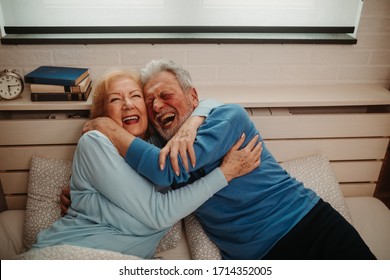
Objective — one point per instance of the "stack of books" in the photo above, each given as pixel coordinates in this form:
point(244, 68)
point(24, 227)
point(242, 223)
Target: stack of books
point(53, 83)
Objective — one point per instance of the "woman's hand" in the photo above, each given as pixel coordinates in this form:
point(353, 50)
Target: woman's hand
point(103, 124)
point(118, 136)
point(237, 162)
point(182, 143)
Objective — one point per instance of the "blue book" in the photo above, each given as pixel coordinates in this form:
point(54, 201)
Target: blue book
point(56, 75)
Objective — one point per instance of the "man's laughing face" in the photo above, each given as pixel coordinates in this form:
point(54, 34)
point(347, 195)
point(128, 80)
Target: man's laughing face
point(167, 104)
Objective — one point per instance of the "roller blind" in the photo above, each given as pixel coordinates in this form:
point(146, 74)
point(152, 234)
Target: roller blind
point(179, 21)
point(312, 13)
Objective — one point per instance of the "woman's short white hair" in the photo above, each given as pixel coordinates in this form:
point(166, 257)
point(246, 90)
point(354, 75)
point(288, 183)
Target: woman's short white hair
point(159, 65)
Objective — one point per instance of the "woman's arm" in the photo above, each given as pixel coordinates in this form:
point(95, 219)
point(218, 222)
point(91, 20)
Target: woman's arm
point(118, 136)
point(205, 106)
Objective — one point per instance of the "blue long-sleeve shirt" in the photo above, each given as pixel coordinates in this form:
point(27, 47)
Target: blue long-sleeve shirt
point(249, 216)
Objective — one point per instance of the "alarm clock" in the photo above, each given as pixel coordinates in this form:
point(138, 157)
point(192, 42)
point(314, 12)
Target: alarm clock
point(11, 85)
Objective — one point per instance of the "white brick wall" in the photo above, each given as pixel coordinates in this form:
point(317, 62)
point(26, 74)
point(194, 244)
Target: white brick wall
point(254, 64)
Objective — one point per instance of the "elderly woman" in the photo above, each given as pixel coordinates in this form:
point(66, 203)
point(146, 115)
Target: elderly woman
point(113, 207)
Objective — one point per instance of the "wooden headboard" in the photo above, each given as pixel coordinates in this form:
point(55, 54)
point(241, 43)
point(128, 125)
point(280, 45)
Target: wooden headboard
point(46, 129)
point(349, 124)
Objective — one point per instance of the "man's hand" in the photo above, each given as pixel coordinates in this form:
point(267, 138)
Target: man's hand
point(65, 200)
point(182, 143)
point(238, 162)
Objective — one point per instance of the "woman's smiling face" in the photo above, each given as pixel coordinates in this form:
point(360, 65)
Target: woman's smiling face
point(125, 105)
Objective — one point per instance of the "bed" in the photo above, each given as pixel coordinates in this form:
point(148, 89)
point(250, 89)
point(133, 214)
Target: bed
point(333, 138)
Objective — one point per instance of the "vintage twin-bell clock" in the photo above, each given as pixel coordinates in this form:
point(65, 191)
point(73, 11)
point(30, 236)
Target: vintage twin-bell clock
point(11, 85)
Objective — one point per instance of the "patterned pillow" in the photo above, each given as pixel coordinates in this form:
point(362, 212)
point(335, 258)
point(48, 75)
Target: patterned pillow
point(46, 178)
point(201, 247)
point(170, 239)
point(316, 173)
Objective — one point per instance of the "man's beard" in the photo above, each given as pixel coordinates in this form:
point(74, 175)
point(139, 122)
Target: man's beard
point(168, 133)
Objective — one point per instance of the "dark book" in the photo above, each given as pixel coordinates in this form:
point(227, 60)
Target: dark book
point(42, 88)
point(64, 96)
point(55, 75)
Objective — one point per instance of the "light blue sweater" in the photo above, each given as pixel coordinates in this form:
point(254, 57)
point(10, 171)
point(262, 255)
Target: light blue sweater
point(249, 216)
point(114, 208)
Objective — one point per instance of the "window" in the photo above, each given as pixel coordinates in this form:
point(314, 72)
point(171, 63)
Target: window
point(159, 21)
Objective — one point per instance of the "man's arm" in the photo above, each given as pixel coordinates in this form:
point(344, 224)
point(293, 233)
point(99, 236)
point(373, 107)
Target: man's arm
point(65, 200)
point(215, 137)
point(182, 143)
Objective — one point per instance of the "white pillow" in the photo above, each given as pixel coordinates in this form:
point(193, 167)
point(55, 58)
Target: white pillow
point(69, 252)
point(316, 173)
point(11, 233)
